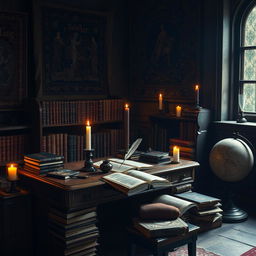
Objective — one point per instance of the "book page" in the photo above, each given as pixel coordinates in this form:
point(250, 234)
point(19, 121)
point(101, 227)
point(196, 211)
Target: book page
point(116, 166)
point(183, 205)
point(145, 176)
point(135, 164)
point(124, 180)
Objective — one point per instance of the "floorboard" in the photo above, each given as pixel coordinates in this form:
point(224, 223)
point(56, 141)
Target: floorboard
point(232, 239)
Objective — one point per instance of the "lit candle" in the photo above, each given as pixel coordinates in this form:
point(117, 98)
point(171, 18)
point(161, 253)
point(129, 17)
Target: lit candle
point(176, 154)
point(197, 94)
point(126, 126)
point(88, 137)
point(160, 101)
point(12, 173)
point(178, 111)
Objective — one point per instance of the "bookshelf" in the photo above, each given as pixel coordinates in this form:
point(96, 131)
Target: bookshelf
point(60, 127)
point(190, 129)
point(14, 135)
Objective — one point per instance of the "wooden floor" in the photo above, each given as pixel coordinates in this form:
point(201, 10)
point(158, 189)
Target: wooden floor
point(232, 239)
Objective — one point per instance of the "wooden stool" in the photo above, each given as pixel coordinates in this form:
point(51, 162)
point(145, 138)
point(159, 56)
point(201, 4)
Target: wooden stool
point(161, 246)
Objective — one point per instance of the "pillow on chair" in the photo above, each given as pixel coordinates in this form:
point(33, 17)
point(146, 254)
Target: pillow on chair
point(158, 211)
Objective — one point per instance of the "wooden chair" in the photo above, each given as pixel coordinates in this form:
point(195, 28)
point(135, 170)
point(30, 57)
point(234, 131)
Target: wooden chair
point(161, 246)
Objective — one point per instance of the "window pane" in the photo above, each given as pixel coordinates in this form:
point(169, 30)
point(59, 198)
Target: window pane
point(249, 65)
point(250, 29)
point(249, 98)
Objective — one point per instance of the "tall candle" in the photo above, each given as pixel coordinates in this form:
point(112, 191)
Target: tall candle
point(178, 111)
point(12, 173)
point(176, 154)
point(126, 126)
point(88, 138)
point(160, 99)
point(197, 94)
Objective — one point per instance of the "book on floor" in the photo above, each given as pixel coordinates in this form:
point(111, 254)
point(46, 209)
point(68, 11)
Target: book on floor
point(202, 201)
point(183, 205)
point(134, 181)
point(153, 229)
point(119, 165)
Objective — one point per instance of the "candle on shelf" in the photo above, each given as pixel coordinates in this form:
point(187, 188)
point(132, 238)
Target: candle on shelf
point(176, 154)
point(197, 94)
point(126, 126)
point(88, 137)
point(12, 172)
point(160, 101)
point(178, 111)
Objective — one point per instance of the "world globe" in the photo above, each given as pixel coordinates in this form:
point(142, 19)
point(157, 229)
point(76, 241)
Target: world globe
point(231, 159)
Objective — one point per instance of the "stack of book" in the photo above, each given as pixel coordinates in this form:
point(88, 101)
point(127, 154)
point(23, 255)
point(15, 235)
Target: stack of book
point(154, 157)
point(43, 162)
point(187, 148)
point(208, 213)
point(75, 232)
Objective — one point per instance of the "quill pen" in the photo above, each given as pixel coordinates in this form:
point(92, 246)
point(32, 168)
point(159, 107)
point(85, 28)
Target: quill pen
point(131, 150)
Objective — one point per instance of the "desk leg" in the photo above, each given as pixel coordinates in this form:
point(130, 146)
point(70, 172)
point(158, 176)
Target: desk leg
point(192, 247)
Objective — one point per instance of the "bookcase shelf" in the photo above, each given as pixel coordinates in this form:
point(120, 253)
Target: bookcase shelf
point(190, 129)
point(14, 136)
point(60, 127)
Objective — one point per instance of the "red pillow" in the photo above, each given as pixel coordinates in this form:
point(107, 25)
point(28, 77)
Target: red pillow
point(158, 211)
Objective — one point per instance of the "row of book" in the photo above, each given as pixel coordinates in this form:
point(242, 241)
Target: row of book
point(13, 147)
point(75, 233)
point(201, 210)
point(159, 139)
point(78, 111)
point(187, 148)
point(72, 146)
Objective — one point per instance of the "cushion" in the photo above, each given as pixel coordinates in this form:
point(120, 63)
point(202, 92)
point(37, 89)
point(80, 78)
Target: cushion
point(158, 211)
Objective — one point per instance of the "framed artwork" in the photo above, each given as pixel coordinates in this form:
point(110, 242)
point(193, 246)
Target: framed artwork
point(166, 48)
point(13, 58)
point(73, 52)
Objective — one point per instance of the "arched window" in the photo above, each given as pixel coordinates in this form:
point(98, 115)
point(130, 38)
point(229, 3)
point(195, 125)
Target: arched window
point(244, 71)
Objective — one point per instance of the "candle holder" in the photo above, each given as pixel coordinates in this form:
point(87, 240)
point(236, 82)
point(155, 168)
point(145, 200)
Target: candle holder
point(13, 187)
point(88, 164)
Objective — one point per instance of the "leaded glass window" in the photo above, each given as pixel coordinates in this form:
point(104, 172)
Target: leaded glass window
point(248, 63)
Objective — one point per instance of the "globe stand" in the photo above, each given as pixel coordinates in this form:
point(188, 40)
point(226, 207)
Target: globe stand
point(232, 213)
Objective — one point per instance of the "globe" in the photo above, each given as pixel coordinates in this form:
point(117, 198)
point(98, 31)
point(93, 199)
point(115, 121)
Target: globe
point(231, 159)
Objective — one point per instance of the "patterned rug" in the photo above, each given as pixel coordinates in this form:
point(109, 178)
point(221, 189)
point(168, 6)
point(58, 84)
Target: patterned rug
point(183, 251)
point(251, 252)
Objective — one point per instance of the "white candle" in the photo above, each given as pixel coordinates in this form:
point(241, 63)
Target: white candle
point(197, 94)
point(88, 145)
point(12, 173)
point(160, 101)
point(176, 154)
point(126, 126)
point(178, 111)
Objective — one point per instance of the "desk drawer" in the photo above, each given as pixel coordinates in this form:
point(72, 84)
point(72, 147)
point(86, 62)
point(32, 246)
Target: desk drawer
point(180, 176)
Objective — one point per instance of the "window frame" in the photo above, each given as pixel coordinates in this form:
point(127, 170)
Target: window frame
point(238, 28)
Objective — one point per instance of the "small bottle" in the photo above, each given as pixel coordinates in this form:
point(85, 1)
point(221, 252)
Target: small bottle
point(106, 166)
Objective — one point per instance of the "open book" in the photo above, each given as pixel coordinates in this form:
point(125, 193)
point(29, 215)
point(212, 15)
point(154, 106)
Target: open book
point(134, 181)
point(181, 204)
point(119, 165)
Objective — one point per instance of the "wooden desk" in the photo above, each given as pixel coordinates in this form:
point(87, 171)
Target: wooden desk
point(77, 194)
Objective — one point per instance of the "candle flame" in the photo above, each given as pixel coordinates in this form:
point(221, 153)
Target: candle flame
point(11, 165)
point(126, 106)
point(196, 87)
point(88, 123)
point(160, 95)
